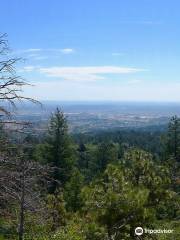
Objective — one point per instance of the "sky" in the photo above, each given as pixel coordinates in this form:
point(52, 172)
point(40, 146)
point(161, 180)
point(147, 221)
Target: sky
point(117, 50)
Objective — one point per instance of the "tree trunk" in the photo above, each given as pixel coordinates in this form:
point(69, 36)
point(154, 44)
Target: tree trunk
point(21, 213)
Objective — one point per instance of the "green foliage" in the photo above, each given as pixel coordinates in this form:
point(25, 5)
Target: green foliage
point(140, 168)
point(173, 138)
point(172, 225)
point(109, 191)
point(93, 159)
point(173, 151)
point(106, 153)
point(56, 212)
point(72, 191)
point(70, 232)
point(117, 204)
point(135, 193)
point(81, 229)
point(60, 151)
point(57, 151)
point(42, 153)
point(87, 161)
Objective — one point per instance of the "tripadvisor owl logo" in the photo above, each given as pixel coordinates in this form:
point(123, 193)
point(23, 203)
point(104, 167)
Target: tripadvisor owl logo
point(139, 231)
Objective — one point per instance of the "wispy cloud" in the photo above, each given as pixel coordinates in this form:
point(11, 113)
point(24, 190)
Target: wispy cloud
point(28, 69)
point(27, 51)
point(33, 50)
point(42, 50)
point(38, 54)
point(67, 50)
point(89, 73)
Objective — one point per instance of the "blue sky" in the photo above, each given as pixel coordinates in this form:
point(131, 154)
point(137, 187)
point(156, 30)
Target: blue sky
point(96, 49)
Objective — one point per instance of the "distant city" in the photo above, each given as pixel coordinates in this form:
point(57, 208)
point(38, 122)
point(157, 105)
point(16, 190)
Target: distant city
point(93, 116)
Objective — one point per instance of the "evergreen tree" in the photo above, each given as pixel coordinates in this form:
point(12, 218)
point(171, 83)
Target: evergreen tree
point(72, 191)
point(173, 138)
point(107, 152)
point(173, 151)
point(87, 161)
point(82, 157)
point(59, 152)
point(134, 193)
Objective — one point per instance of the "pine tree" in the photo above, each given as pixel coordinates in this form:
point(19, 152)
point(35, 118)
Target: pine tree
point(107, 153)
point(59, 150)
point(173, 143)
point(173, 150)
point(72, 191)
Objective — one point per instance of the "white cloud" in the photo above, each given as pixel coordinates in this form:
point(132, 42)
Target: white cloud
point(42, 53)
point(67, 50)
point(90, 73)
point(33, 50)
point(28, 69)
point(28, 51)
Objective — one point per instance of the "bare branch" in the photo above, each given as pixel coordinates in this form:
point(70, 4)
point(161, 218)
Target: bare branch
point(11, 84)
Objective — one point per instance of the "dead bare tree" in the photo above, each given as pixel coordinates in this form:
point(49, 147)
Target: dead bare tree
point(21, 185)
point(19, 175)
point(11, 84)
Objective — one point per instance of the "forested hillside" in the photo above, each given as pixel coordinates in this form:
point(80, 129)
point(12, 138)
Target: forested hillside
point(92, 187)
